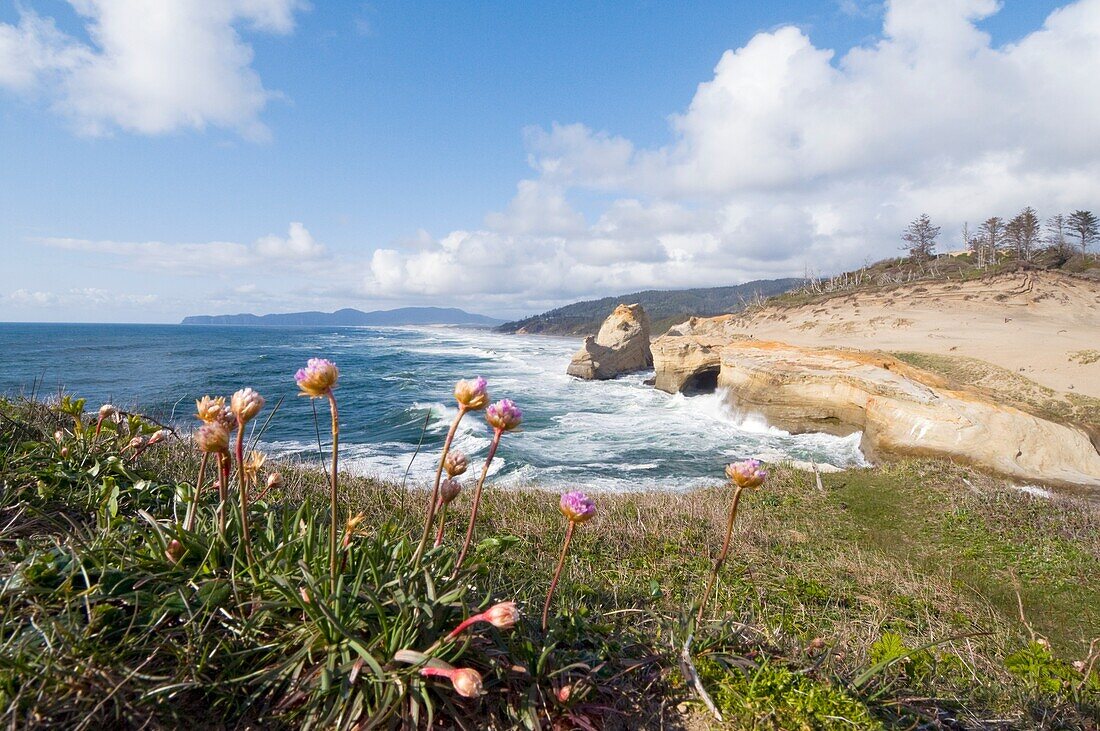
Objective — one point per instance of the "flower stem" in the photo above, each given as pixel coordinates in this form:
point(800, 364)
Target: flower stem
point(477, 498)
point(223, 491)
point(333, 489)
point(243, 496)
point(721, 555)
point(192, 509)
point(557, 574)
point(442, 523)
point(473, 619)
point(430, 517)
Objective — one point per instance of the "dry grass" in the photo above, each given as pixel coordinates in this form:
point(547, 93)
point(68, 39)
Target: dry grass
point(1004, 385)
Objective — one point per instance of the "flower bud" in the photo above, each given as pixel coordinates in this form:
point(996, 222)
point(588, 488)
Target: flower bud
point(472, 394)
point(746, 473)
point(213, 438)
point(245, 404)
point(209, 409)
point(226, 418)
point(65, 452)
point(317, 378)
point(59, 436)
point(175, 551)
point(448, 490)
point(504, 415)
point(274, 481)
point(106, 411)
point(136, 443)
point(455, 463)
point(577, 507)
point(467, 682)
point(158, 436)
point(502, 616)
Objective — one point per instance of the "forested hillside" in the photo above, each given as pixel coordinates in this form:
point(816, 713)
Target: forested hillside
point(664, 307)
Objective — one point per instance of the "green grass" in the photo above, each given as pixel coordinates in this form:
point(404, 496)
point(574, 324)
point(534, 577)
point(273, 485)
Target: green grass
point(886, 600)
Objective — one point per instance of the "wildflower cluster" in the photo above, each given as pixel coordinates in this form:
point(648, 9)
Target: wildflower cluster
point(332, 609)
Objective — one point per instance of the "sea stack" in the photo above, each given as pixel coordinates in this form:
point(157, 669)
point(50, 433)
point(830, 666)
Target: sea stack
point(621, 346)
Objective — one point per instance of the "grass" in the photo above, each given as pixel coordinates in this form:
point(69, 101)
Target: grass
point(1004, 385)
point(917, 594)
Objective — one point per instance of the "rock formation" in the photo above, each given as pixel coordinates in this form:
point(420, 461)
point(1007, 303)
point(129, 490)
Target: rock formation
point(621, 346)
point(901, 410)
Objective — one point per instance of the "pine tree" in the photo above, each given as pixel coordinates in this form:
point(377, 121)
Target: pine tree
point(1085, 227)
point(1056, 233)
point(920, 238)
point(1023, 233)
point(992, 236)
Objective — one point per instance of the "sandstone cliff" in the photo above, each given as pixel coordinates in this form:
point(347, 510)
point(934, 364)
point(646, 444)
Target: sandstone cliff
point(621, 346)
point(901, 410)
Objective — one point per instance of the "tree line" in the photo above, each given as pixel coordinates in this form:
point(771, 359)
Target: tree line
point(1022, 235)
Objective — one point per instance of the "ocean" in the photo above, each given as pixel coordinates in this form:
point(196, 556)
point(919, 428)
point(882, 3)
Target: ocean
point(609, 435)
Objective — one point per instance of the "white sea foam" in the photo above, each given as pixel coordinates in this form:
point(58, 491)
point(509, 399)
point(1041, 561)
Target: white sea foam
point(607, 435)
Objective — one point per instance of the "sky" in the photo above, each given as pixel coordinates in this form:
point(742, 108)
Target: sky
point(219, 156)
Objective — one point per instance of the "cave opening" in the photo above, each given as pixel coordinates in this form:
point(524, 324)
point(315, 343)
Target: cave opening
point(700, 382)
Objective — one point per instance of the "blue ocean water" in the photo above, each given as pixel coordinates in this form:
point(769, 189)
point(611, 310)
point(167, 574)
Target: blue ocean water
point(619, 435)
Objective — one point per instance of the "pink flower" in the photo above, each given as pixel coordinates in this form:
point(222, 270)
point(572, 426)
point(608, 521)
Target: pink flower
point(213, 437)
point(577, 507)
point(504, 415)
point(317, 378)
point(746, 474)
point(472, 394)
point(245, 404)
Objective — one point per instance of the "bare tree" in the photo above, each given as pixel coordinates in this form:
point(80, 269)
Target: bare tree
point(920, 238)
point(992, 237)
point(1085, 227)
point(1022, 232)
point(1057, 228)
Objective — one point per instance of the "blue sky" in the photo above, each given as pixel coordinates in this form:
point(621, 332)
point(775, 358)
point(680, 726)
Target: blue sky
point(507, 157)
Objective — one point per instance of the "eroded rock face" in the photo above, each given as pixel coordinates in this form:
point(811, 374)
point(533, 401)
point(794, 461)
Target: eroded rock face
point(901, 410)
point(621, 346)
point(688, 352)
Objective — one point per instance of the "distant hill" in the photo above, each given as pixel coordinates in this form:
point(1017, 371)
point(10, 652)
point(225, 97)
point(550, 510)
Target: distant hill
point(664, 307)
point(400, 316)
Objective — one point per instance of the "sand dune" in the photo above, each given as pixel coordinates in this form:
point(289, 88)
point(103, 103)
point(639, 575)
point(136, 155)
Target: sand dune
point(1044, 326)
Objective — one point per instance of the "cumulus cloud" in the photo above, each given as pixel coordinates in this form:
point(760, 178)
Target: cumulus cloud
point(794, 156)
point(298, 249)
point(150, 68)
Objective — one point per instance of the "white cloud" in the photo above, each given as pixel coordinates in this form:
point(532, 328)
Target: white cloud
point(794, 155)
point(79, 297)
point(298, 249)
point(537, 207)
point(151, 67)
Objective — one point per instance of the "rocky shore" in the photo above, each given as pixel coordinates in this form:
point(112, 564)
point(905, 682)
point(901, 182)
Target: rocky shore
point(901, 410)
